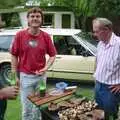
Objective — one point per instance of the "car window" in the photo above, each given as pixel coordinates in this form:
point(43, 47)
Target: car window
point(67, 45)
point(61, 44)
point(5, 42)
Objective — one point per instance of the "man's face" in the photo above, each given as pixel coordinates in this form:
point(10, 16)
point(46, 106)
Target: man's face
point(99, 31)
point(34, 20)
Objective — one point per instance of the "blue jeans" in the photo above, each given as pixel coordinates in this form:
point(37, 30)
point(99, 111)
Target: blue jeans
point(29, 84)
point(105, 99)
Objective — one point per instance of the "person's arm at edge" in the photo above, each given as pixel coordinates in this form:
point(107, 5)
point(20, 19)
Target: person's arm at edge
point(9, 92)
point(2, 96)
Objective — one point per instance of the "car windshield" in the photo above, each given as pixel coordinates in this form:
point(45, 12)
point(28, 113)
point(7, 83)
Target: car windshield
point(5, 41)
point(87, 39)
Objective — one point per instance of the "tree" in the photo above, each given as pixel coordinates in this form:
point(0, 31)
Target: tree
point(9, 4)
point(4, 4)
point(109, 9)
point(106, 8)
point(81, 8)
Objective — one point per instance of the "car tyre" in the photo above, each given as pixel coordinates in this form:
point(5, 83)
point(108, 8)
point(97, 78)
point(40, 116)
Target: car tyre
point(5, 74)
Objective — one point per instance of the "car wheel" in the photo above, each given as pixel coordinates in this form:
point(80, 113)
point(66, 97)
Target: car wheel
point(5, 74)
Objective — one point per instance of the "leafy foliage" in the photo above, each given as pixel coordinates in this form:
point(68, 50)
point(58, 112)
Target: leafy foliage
point(107, 8)
point(11, 3)
point(85, 8)
point(81, 8)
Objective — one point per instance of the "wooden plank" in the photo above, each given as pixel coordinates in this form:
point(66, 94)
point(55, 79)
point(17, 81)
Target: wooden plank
point(56, 101)
point(37, 100)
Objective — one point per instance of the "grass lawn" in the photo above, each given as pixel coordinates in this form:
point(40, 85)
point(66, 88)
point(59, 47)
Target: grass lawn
point(14, 108)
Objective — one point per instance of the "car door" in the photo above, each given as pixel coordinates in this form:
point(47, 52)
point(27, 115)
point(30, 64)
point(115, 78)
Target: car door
point(73, 61)
point(50, 70)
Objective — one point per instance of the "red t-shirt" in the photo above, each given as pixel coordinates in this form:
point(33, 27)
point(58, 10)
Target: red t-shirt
point(31, 50)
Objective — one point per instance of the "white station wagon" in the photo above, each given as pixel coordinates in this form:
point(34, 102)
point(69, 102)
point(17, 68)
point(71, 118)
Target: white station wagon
point(75, 59)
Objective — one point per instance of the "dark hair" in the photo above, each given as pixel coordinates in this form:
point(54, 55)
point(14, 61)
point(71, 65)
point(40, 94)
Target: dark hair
point(35, 10)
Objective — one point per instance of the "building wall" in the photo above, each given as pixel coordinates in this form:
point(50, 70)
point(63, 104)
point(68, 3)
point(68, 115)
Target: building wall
point(57, 18)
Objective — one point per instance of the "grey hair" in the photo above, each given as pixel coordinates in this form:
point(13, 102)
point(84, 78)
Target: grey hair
point(104, 22)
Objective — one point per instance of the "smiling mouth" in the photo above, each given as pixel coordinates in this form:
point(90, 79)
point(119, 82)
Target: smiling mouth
point(36, 22)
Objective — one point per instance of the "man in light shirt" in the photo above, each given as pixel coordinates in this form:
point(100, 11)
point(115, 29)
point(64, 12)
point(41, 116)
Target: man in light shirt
point(107, 73)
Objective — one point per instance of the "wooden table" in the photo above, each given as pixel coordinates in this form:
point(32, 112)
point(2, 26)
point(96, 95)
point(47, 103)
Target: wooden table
point(42, 103)
point(39, 101)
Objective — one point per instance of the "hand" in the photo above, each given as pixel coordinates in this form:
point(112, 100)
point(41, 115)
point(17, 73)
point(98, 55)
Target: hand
point(41, 72)
point(115, 88)
point(18, 82)
point(9, 92)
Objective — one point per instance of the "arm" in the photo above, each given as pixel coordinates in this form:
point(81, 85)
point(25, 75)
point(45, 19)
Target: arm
point(50, 62)
point(14, 64)
point(51, 51)
point(47, 66)
point(9, 92)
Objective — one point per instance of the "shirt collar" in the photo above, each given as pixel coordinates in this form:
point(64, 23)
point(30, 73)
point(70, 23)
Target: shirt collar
point(112, 39)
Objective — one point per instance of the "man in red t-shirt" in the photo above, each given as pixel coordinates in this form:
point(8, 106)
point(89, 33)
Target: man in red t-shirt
point(28, 51)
